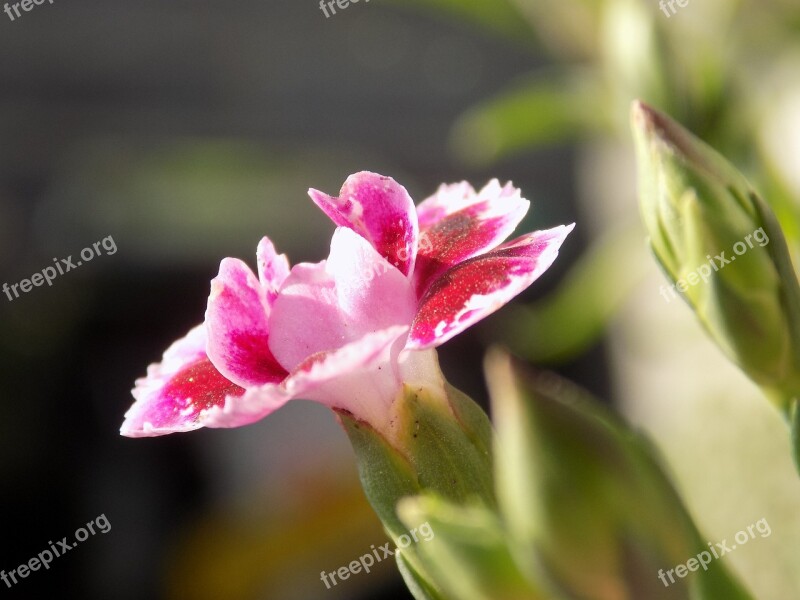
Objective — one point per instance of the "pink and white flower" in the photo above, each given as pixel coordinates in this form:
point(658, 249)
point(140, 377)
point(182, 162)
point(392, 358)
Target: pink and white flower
point(351, 331)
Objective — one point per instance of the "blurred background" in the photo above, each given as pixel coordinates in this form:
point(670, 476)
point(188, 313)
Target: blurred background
point(188, 130)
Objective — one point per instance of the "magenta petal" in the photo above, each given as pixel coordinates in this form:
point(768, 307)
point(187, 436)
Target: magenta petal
point(380, 210)
point(237, 326)
point(479, 286)
point(460, 224)
point(273, 268)
point(324, 306)
point(176, 392)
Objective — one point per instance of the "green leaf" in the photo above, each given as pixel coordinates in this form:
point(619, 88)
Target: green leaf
point(538, 111)
point(794, 421)
point(419, 588)
point(584, 495)
point(468, 554)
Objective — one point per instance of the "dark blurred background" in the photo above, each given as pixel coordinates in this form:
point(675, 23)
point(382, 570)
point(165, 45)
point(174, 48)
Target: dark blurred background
point(186, 131)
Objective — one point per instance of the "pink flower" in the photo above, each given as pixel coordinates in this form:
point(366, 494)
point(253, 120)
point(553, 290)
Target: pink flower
point(353, 330)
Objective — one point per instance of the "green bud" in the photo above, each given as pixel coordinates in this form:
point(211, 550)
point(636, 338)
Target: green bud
point(585, 496)
point(722, 248)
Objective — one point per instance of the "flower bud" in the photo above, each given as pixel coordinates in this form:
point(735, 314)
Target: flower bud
point(723, 250)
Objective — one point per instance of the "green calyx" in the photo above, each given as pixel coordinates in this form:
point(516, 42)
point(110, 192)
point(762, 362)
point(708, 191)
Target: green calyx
point(441, 444)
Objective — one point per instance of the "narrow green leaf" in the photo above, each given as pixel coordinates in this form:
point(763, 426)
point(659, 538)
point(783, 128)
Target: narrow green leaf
point(468, 554)
point(537, 111)
point(794, 420)
point(417, 585)
point(587, 497)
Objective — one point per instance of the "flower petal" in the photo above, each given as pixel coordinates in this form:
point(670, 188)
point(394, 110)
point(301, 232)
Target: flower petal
point(324, 306)
point(454, 197)
point(254, 405)
point(460, 224)
point(237, 324)
point(380, 210)
point(273, 268)
point(175, 392)
point(357, 377)
point(479, 286)
point(449, 198)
